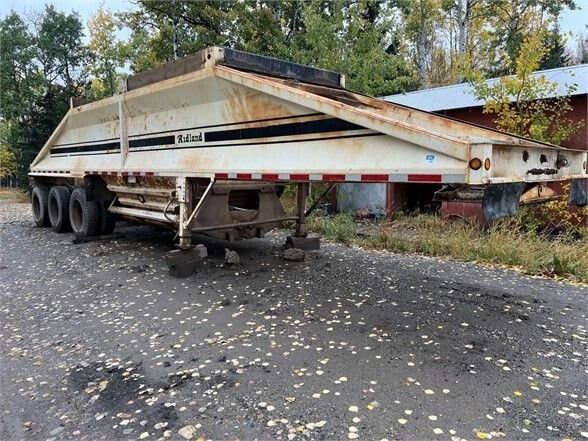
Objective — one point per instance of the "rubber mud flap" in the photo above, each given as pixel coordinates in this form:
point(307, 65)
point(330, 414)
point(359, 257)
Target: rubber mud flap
point(579, 192)
point(107, 219)
point(502, 200)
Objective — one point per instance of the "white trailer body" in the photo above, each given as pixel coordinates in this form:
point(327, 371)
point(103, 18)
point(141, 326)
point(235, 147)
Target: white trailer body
point(180, 137)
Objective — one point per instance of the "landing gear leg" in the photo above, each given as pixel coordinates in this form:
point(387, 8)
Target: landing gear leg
point(184, 261)
point(184, 195)
point(301, 239)
point(301, 196)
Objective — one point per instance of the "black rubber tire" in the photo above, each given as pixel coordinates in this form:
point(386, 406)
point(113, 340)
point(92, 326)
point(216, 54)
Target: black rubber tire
point(40, 205)
point(58, 207)
point(107, 219)
point(84, 215)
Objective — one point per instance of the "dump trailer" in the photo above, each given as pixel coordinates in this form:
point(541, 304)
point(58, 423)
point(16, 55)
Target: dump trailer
point(204, 145)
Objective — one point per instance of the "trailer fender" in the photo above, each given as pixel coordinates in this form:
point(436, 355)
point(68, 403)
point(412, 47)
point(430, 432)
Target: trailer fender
point(502, 200)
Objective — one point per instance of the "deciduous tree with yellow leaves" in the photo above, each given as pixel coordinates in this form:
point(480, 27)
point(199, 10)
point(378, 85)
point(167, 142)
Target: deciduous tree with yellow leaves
point(528, 104)
point(108, 54)
point(7, 162)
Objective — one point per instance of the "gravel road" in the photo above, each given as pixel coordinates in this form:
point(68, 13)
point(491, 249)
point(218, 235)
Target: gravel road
point(99, 343)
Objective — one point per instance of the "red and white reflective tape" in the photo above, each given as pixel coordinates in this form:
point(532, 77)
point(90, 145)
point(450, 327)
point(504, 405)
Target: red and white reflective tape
point(121, 173)
point(422, 178)
point(296, 177)
point(50, 172)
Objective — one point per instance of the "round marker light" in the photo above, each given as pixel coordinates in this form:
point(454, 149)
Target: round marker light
point(475, 164)
point(487, 163)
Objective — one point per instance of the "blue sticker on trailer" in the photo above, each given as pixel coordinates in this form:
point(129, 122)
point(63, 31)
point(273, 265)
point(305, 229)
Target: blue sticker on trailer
point(430, 158)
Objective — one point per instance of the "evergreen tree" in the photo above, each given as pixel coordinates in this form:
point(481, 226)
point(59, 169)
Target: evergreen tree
point(556, 54)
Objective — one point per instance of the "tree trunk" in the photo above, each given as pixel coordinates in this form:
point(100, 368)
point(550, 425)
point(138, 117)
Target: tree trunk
point(422, 48)
point(175, 38)
point(463, 21)
point(463, 12)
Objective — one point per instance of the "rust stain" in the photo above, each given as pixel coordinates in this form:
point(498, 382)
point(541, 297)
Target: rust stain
point(193, 160)
point(78, 164)
point(112, 131)
point(248, 106)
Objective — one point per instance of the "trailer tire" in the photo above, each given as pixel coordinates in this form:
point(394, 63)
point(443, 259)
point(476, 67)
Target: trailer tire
point(40, 205)
point(58, 208)
point(107, 219)
point(84, 215)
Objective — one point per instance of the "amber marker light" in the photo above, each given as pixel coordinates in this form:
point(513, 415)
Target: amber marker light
point(475, 164)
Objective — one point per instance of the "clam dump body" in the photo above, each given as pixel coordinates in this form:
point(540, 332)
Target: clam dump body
point(205, 143)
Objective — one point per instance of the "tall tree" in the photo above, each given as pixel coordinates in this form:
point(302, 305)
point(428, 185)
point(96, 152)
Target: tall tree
point(581, 53)
point(511, 20)
point(108, 55)
point(60, 50)
point(22, 84)
point(183, 27)
point(141, 49)
point(19, 77)
point(351, 36)
point(39, 73)
point(556, 54)
point(465, 27)
point(420, 19)
point(354, 38)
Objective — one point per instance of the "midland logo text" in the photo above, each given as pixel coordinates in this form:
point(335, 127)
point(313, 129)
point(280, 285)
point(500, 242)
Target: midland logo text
point(189, 137)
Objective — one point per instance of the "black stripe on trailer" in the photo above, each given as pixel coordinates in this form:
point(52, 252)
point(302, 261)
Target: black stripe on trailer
point(289, 129)
point(274, 131)
point(282, 141)
point(111, 147)
point(148, 142)
point(236, 123)
point(86, 148)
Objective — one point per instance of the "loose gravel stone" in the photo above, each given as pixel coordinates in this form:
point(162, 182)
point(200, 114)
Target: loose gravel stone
point(294, 255)
point(97, 342)
point(231, 257)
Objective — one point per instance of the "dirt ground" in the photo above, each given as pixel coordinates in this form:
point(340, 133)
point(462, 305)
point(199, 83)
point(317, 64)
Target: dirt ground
point(99, 343)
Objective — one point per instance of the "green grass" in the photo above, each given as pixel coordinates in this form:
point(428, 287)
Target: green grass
point(13, 195)
point(505, 243)
point(340, 228)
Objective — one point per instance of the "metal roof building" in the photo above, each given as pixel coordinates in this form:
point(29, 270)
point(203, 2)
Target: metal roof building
point(461, 96)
